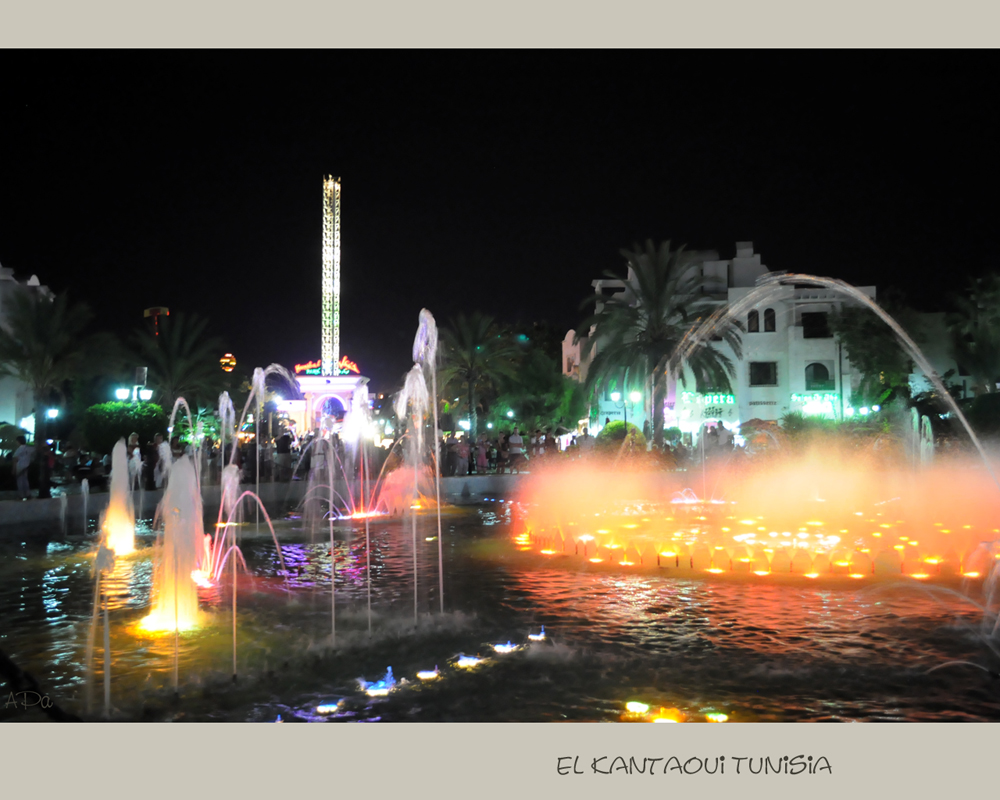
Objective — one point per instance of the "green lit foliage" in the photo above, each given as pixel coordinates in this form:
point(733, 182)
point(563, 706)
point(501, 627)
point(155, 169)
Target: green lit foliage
point(612, 436)
point(874, 350)
point(104, 424)
point(541, 397)
point(636, 333)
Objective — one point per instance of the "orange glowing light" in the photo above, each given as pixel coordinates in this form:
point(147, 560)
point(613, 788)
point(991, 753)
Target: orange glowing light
point(932, 560)
point(669, 555)
point(199, 577)
point(970, 574)
point(547, 552)
point(668, 715)
point(812, 575)
point(760, 572)
point(920, 575)
point(596, 560)
point(624, 563)
point(857, 575)
point(714, 570)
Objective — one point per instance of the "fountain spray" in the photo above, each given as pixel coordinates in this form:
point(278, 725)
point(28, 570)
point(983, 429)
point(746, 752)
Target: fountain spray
point(425, 353)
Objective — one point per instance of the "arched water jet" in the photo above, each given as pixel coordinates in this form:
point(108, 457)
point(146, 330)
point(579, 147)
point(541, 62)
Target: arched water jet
point(767, 285)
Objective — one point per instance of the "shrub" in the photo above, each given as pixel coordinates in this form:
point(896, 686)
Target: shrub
point(613, 434)
point(106, 423)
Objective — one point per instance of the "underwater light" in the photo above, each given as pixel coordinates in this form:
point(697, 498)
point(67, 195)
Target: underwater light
point(429, 674)
point(668, 715)
point(760, 572)
point(970, 574)
point(634, 707)
point(199, 577)
point(377, 691)
point(857, 575)
point(596, 560)
point(505, 648)
point(717, 717)
point(714, 570)
point(547, 552)
point(537, 637)
point(812, 575)
point(328, 708)
point(468, 661)
point(920, 575)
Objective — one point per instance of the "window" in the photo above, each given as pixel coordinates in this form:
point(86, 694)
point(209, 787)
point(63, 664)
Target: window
point(753, 322)
point(818, 378)
point(763, 373)
point(769, 320)
point(814, 325)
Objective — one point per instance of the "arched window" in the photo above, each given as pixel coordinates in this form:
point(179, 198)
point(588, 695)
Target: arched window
point(753, 322)
point(769, 320)
point(818, 378)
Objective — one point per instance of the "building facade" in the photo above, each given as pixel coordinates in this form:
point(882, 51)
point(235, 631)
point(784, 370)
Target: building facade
point(790, 359)
point(16, 400)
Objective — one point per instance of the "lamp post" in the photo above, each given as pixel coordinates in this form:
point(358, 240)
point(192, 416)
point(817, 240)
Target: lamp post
point(634, 397)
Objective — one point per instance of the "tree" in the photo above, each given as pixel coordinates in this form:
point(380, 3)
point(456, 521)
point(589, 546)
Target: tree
point(105, 423)
point(45, 344)
point(635, 333)
point(183, 361)
point(975, 332)
point(475, 357)
point(539, 393)
point(874, 350)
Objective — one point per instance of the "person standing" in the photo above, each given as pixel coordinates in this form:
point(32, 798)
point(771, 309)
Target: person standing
point(22, 460)
point(515, 446)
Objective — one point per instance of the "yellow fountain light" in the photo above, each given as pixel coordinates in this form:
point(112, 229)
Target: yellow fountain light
point(717, 717)
point(596, 560)
point(668, 715)
point(760, 572)
point(547, 552)
point(815, 523)
point(932, 560)
point(586, 538)
point(199, 577)
point(913, 544)
point(857, 575)
point(602, 530)
point(163, 623)
point(970, 574)
point(714, 570)
point(811, 575)
point(429, 674)
point(898, 547)
point(635, 707)
point(748, 522)
point(920, 575)
point(668, 554)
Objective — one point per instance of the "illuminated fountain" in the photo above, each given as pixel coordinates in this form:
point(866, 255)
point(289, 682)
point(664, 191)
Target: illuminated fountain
point(818, 512)
point(175, 603)
point(118, 520)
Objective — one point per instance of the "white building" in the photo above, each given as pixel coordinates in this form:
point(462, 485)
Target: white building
point(16, 401)
point(790, 360)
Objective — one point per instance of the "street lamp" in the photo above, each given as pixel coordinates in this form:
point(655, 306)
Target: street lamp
point(52, 413)
point(616, 397)
point(146, 394)
point(122, 394)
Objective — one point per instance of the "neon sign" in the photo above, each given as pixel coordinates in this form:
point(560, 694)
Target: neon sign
point(344, 367)
point(708, 399)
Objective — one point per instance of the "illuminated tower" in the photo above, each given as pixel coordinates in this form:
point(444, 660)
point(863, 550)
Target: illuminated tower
point(330, 353)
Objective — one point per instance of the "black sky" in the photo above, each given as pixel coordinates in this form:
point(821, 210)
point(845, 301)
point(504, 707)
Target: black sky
point(500, 181)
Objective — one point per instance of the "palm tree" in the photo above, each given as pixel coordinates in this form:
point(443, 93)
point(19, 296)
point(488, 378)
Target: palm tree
point(975, 332)
point(475, 356)
point(182, 360)
point(634, 333)
point(44, 344)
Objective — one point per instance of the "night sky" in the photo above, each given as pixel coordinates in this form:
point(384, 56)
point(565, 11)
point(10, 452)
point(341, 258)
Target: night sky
point(501, 181)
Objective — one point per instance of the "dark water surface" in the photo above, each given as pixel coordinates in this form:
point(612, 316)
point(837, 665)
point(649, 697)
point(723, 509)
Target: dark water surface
point(742, 648)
